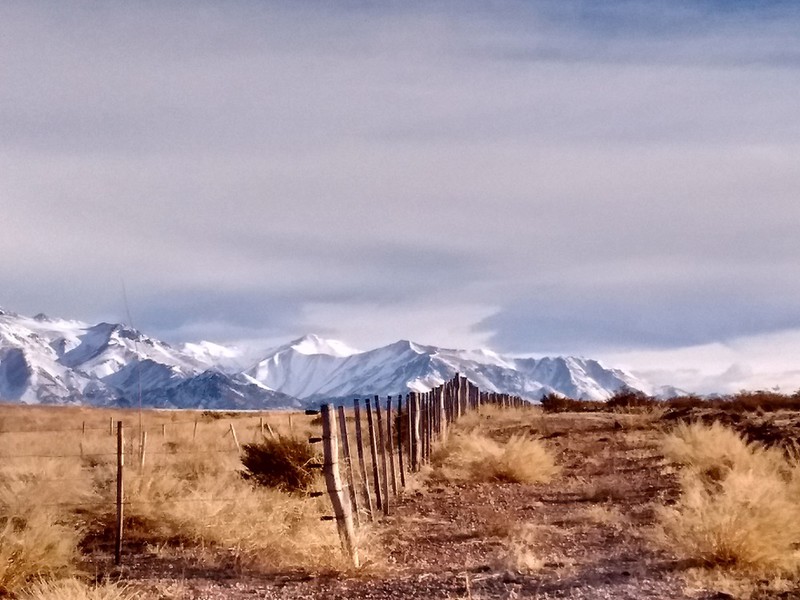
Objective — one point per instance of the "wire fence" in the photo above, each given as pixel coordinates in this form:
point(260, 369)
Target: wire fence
point(392, 439)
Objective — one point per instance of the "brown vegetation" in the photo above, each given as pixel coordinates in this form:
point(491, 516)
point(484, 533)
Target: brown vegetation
point(739, 505)
point(520, 502)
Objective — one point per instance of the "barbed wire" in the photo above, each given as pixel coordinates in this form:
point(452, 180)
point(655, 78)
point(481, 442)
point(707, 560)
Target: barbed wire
point(154, 427)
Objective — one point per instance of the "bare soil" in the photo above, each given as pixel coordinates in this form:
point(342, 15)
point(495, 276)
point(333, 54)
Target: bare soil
point(590, 530)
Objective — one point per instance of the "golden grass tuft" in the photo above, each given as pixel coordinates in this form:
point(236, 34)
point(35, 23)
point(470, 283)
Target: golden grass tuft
point(739, 506)
point(32, 546)
point(473, 456)
point(712, 451)
point(75, 589)
point(39, 534)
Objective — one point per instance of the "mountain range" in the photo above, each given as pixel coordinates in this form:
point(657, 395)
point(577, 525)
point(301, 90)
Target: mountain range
point(57, 361)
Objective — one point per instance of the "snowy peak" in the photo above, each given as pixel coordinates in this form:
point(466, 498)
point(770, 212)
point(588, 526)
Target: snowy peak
point(302, 369)
point(43, 359)
point(312, 344)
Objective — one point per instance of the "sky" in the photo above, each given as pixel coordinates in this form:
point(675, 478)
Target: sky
point(617, 180)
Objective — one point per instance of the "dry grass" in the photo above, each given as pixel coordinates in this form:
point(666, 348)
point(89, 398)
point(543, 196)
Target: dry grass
point(189, 497)
point(75, 589)
point(518, 552)
point(739, 507)
point(472, 455)
point(35, 545)
point(712, 451)
point(601, 514)
point(723, 583)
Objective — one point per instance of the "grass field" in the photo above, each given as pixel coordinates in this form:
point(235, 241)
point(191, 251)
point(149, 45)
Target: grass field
point(638, 503)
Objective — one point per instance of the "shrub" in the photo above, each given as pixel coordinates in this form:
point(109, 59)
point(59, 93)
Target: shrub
point(713, 451)
point(475, 457)
point(747, 521)
point(553, 403)
point(630, 398)
point(280, 463)
point(739, 502)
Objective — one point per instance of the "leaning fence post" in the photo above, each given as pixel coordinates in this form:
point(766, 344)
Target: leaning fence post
point(120, 491)
point(235, 439)
point(333, 483)
point(143, 449)
point(351, 482)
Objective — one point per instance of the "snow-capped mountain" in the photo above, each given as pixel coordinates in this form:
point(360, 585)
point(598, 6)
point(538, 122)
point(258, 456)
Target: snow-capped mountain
point(56, 361)
point(305, 369)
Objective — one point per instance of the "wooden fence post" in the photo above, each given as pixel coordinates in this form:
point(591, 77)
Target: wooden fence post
point(333, 483)
point(384, 465)
point(410, 432)
point(120, 492)
point(400, 439)
point(143, 449)
point(390, 443)
point(442, 415)
point(235, 439)
point(373, 452)
point(361, 463)
point(457, 398)
point(348, 464)
point(425, 422)
point(416, 441)
point(428, 425)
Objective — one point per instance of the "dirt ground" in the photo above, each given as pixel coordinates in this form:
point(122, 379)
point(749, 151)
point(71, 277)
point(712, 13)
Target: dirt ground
point(587, 534)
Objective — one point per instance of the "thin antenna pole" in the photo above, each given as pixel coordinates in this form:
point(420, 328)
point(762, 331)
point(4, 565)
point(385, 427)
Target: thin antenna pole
point(138, 362)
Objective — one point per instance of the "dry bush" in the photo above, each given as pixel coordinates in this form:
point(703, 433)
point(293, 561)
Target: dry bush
point(280, 463)
point(627, 398)
point(738, 506)
point(473, 456)
point(712, 451)
point(554, 403)
point(74, 589)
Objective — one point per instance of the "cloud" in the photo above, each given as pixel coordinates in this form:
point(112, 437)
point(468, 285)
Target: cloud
point(764, 361)
point(578, 176)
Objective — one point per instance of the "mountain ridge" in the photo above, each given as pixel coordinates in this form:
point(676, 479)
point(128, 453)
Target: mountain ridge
point(59, 361)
